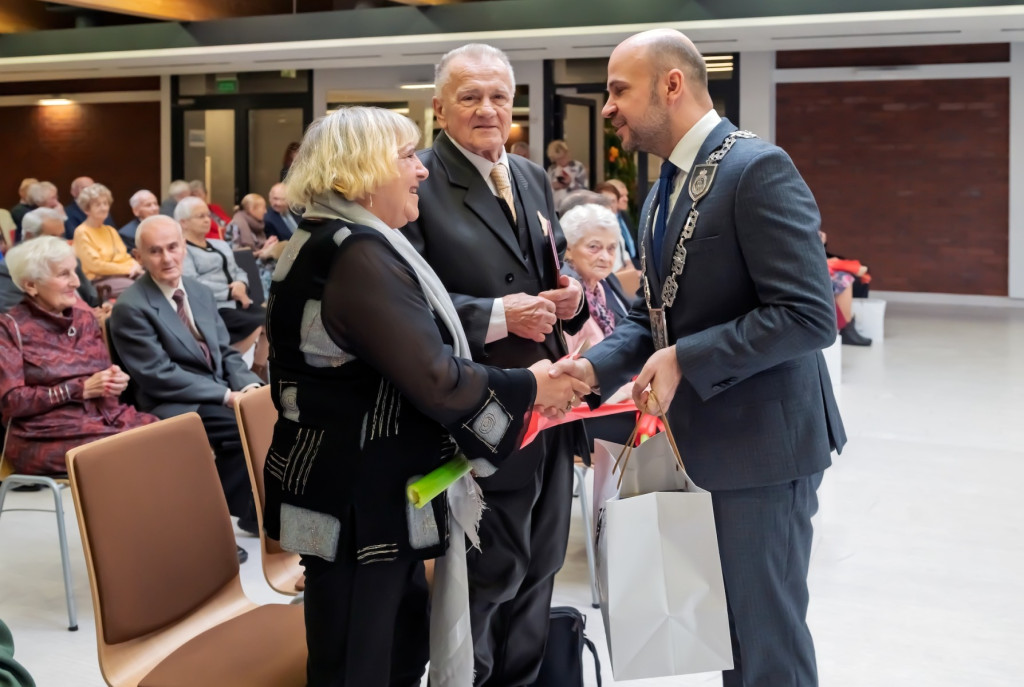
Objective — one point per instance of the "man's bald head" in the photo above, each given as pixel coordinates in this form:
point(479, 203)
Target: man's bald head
point(668, 49)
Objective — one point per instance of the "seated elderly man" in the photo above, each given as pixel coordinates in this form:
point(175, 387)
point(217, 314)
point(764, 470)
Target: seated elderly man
point(280, 221)
point(46, 222)
point(212, 262)
point(144, 204)
point(167, 333)
point(176, 192)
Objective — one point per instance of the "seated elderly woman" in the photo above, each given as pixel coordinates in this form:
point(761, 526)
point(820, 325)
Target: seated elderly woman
point(218, 218)
point(373, 385)
point(592, 242)
point(58, 388)
point(248, 229)
point(212, 262)
point(104, 257)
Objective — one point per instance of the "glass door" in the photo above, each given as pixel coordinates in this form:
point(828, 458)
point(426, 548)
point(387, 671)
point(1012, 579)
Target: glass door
point(209, 153)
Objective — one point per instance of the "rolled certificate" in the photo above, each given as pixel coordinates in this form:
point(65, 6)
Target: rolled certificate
point(423, 490)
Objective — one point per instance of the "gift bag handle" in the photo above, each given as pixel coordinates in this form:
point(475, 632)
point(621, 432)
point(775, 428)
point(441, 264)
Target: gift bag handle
point(627, 450)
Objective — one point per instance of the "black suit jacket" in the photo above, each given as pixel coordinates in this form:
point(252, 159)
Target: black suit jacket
point(468, 240)
point(755, 406)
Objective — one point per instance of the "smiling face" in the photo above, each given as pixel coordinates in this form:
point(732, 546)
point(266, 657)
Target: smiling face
point(475, 107)
point(396, 203)
point(58, 292)
point(640, 117)
point(161, 250)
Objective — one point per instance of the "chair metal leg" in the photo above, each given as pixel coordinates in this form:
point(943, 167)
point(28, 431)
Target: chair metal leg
point(581, 474)
point(65, 559)
point(56, 487)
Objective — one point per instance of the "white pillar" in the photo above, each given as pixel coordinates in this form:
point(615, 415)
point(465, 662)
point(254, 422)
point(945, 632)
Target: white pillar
point(532, 74)
point(1016, 181)
point(757, 93)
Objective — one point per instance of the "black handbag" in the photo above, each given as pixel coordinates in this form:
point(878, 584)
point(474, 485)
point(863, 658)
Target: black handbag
point(563, 656)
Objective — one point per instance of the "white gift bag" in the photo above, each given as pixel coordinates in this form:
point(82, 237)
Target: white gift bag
point(659, 573)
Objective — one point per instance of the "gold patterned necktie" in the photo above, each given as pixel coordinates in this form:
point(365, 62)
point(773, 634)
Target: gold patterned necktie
point(499, 175)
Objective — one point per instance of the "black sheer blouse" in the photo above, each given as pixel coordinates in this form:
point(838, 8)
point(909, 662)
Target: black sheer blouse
point(370, 396)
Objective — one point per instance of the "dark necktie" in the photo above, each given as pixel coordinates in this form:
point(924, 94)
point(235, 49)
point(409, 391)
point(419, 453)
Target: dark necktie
point(179, 302)
point(668, 173)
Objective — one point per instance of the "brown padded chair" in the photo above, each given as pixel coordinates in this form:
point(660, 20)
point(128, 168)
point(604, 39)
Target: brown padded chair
point(256, 416)
point(160, 550)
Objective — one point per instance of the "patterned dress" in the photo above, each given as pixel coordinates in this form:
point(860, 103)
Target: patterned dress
point(41, 385)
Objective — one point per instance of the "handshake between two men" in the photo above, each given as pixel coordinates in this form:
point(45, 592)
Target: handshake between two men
point(570, 379)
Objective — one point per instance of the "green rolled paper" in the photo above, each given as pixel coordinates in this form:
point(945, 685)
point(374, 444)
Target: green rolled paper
point(423, 490)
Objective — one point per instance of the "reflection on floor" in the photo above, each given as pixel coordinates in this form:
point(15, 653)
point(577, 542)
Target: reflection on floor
point(917, 576)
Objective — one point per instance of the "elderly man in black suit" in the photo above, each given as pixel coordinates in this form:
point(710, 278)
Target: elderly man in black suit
point(487, 226)
point(738, 307)
point(169, 337)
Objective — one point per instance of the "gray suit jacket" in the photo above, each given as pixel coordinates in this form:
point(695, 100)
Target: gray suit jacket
point(163, 357)
point(754, 309)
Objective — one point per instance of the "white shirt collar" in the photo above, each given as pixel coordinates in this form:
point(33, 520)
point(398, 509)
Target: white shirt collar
point(483, 165)
point(685, 153)
point(168, 291)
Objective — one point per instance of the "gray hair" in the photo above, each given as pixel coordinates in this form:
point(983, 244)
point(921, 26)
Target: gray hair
point(137, 197)
point(584, 197)
point(583, 218)
point(178, 187)
point(473, 51)
point(90, 194)
point(38, 192)
point(197, 185)
point(34, 260)
point(183, 210)
point(153, 220)
point(32, 222)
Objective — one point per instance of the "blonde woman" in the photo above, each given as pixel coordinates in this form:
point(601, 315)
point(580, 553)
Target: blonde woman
point(105, 259)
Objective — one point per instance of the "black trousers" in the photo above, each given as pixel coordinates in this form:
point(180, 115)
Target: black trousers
point(764, 540)
point(366, 625)
point(222, 432)
point(523, 537)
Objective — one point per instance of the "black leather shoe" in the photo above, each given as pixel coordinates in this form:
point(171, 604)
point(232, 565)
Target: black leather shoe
point(243, 555)
point(851, 337)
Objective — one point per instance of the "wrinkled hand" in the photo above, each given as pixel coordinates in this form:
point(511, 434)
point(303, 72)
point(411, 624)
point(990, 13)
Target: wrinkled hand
point(556, 395)
point(232, 398)
point(580, 370)
point(237, 291)
point(530, 317)
point(109, 382)
point(102, 312)
point(266, 251)
point(661, 375)
point(566, 297)
point(136, 271)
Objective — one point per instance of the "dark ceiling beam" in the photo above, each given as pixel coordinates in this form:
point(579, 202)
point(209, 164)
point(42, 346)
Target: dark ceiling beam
point(427, 3)
point(184, 10)
point(26, 15)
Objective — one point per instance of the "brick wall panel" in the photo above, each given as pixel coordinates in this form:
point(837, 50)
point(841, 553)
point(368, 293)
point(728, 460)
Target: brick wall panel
point(912, 177)
point(117, 144)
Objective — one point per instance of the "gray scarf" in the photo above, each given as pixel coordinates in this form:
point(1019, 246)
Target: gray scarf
point(451, 641)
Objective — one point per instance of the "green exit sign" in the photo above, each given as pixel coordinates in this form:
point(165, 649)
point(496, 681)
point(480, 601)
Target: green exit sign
point(227, 85)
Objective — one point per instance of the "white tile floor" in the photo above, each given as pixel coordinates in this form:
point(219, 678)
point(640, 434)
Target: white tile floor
point(917, 576)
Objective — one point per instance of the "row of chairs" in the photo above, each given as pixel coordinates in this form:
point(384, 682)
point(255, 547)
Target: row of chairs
point(160, 551)
point(159, 548)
